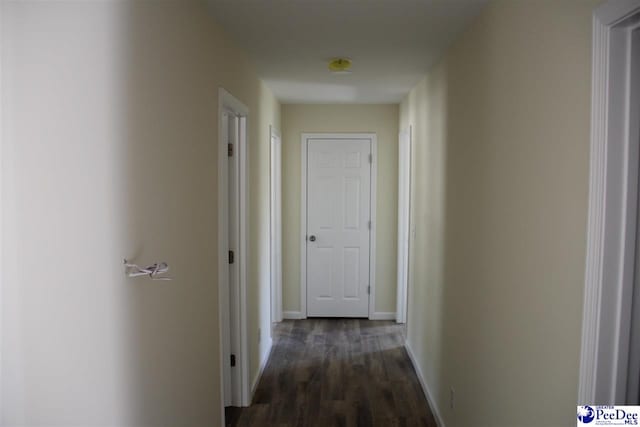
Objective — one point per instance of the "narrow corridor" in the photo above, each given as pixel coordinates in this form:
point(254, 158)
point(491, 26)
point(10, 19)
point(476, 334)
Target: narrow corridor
point(337, 372)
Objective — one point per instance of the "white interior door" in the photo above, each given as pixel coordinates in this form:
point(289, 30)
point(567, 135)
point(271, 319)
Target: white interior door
point(232, 380)
point(234, 270)
point(338, 227)
point(225, 294)
point(232, 251)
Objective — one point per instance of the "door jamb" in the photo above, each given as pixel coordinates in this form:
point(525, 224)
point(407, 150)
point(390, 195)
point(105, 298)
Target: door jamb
point(303, 219)
point(275, 222)
point(228, 103)
point(611, 220)
point(2, 139)
point(404, 213)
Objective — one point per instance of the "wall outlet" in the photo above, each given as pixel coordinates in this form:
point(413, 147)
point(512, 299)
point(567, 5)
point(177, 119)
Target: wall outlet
point(452, 398)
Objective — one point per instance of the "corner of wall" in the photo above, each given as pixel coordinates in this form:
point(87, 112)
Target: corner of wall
point(264, 358)
point(425, 387)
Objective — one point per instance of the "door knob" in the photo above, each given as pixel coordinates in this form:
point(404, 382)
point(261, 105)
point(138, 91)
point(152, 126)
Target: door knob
point(312, 238)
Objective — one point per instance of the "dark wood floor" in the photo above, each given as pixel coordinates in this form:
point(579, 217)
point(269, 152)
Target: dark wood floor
point(337, 372)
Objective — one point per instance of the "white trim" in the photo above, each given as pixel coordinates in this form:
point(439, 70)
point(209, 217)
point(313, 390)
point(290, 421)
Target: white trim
point(243, 259)
point(383, 315)
point(263, 364)
point(633, 365)
point(228, 103)
point(425, 387)
point(374, 224)
point(612, 205)
point(303, 229)
point(404, 225)
point(293, 315)
point(2, 98)
point(275, 223)
point(303, 219)
point(223, 285)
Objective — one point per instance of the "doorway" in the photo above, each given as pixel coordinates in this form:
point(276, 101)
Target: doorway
point(232, 250)
point(633, 374)
point(276, 225)
point(338, 224)
point(404, 222)
point(609, 367)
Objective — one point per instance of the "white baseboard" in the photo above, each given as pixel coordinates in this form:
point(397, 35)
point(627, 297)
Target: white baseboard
point(263, 363)
point(293, 315)
point(378, 315)
point(383, 315)
point(425, 387)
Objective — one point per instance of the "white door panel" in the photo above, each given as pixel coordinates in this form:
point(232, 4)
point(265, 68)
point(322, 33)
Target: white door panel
point(338, 215)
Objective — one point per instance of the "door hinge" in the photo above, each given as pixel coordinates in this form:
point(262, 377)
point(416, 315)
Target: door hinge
point(233, 360)
point(369, 289)
point(231, 257)
point(230, 150)
point(370, 158)
point(369, 224)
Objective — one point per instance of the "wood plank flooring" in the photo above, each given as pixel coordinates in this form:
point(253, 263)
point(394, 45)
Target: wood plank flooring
point(337, 373)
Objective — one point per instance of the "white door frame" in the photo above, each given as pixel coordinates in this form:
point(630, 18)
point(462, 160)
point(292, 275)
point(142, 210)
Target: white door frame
point(404, 223)
point(227, 103)
point(303, 220)
point(2, 97)
point(633, 369)
point(275, 189)
point(611, 230)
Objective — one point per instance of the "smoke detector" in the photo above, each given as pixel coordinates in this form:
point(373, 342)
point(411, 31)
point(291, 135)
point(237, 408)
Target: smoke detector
point(340, 65)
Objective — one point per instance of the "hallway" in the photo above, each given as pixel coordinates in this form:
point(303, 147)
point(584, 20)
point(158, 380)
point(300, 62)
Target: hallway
point(337, 372)
point(441, 164)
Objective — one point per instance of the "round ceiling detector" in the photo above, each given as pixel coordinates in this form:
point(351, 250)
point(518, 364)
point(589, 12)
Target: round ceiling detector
point(340, 65)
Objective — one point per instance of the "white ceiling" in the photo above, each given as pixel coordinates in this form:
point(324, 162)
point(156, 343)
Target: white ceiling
point(392, 43)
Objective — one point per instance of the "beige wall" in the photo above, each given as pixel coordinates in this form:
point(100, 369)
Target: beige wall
point(501, 137)
point(109, 113)
point(381, 119)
